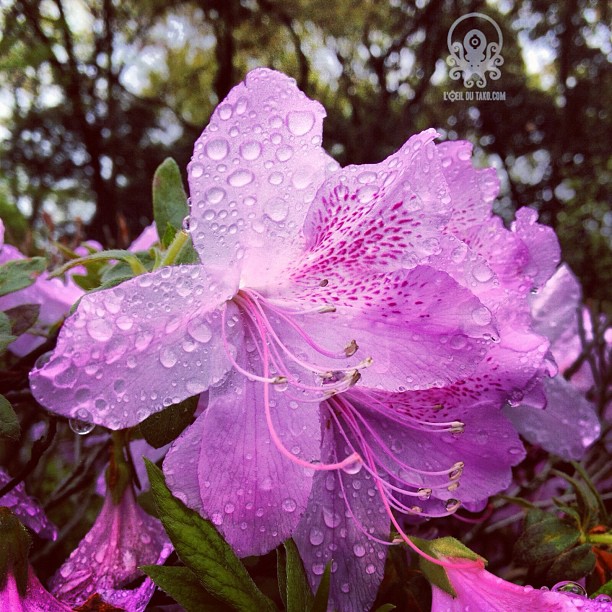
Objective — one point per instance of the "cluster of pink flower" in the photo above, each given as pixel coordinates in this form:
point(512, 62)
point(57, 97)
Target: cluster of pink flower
point(368, 341)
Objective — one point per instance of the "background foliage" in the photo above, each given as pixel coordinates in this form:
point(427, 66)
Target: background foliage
point(96, 93)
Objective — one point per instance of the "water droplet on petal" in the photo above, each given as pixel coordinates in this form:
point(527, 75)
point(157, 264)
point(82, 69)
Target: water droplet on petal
point(353, 468)
point(167, 357)
point(240, 178)
point(318, 568)
point(481, 315)
point(82, 424)
point(196, 170)
point(199, 331)
point(359, 550)
point(229, 508)
point(332, 519)
point(43, 359)
point(603, 597)
point(250, 150)
point(569, 586)
point(289, 505)
point(370, 568)
point(217, 149)
point(482, 273)
point(277, 209)
point(316, 536)
point(300, 122)
point(217, 518)
point(100, 329)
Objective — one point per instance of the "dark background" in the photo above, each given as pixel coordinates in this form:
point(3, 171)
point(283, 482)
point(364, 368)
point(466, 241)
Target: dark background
point(95, 94)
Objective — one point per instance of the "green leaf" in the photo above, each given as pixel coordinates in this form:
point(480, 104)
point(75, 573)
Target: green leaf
point(22, 317)
point(572, 564)
point(321, 597)
point(6, 333)
point(182, 585)
point(9, 423)
point(590, 507)
point(15, 542)
point(545, 538)
point(385, 608)
point(204, 551)
point(169, 199)
point(281, 574)
point(20, 273)
point(162, 427)
point(442, 547)
point(606, 589)
point(299, 596)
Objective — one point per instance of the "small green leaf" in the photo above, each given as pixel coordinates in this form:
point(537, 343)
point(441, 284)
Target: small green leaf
point(128, 257)
point(163, 427)
point(9, 423)
point(447, 547)
point(20, 273)
point(299, 596)
point(22, 317)
point(204, 551)
point(281, 574)
point(606, 589)
point(321, 597)
point(385, 608)
point(573, 564)
point(169, 199)
point(6, 333)
point(15, 542)
point(182, 585)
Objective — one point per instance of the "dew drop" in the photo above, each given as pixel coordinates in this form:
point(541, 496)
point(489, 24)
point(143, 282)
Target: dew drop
point(316, 536)
point(196, 170)
point(318, 568)
point(250, 150)
point(124, 323)
point(482, 273)
point(240, 178)
point(217, 149)
point(199, 331)
point(217, 518)
point(569, 586)
point(359, 550)
point(353, 468)
point(214, 195)
point(100, 330)
point(332, 519)
point(82, 424)
point(229, 508)
point(289, 505)
point(345, 587)
point(167, 357)
point(424, 494)
point(481, 315)
point(43, 360)
point(452, 505)
point(225, 112)
point(300, 122)
point(370, 568)
point(603, 597)
point(284, 153)
point(277, 209)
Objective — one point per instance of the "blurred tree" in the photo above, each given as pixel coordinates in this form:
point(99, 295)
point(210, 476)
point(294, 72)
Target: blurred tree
point(89, 87)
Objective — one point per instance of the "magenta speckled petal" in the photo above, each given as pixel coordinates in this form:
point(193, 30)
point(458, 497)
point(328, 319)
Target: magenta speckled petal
point(330, 532)
point(36, 599)
point(254, 171)
point(26, 509)
point(122, 538)
point(478, 589)
point(250, 491)
point(132, 350)
point(566, 427)
point(445, 329)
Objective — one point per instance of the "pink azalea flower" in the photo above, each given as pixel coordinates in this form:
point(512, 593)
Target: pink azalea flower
point(26, 509)
point(122, 538)
point(147, 238)
point(569, 424)
point(35, 599)
point(478, 589)
point(394, 275)
point(54, 296)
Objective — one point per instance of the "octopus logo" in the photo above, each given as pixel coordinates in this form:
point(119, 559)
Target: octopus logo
point(474, 56)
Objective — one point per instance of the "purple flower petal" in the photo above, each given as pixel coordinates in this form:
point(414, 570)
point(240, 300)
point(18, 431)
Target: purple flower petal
point(146, 239)
point(329, 531)
point(478, 589)
point(26, 509)
point(249, 490)
point(566, 427)
point(122, 538)
point(132, 350)
point(36, 599)
point(254, 172)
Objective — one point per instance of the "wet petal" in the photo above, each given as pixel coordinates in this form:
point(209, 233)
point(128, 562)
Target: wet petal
point(122, 538)
point(377, 218)
point(36, 599)
point(445, 330)
point(249, 490)
point(330, 532)
point(254, 171)
point(147, 238)
point(566, 427)
point(132, 350)
point(26, 509)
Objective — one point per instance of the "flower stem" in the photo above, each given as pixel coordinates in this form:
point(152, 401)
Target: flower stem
point(174, 249)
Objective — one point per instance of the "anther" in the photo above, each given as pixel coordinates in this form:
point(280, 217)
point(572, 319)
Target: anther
point(327, 308)
point(279, 380)
point(324, 283)
point(416, 509)
point(457, 427)
point(453, 486)
point(452, 505)
point(351, 348)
